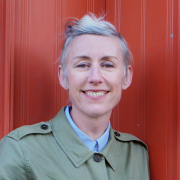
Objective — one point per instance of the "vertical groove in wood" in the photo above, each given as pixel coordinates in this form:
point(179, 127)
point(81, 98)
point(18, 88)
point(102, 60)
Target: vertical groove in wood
point(90, 6)
point(9, 66)
point(87, 5)
point(12, 65)
point(7, 70)
point(118, 14)
point(93, 6)
point(168, 90)
point(142, 67)
point(170, 78)
point(58, 91)
point(178, 97)
point(2, 61)
point(115, 11)
point(167, 80)
point(24, 61)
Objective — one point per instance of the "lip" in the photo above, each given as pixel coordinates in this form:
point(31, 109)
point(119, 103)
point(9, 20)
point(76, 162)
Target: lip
point(100, 95)
point(95, 90)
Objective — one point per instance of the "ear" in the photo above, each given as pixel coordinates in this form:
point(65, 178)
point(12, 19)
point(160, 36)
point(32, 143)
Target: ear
point(62, 78)
point(128, 78)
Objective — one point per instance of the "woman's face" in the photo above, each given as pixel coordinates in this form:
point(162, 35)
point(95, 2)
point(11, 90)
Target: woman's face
point(95, 74)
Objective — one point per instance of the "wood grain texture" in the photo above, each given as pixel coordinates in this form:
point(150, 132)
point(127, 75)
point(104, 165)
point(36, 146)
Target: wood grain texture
point(24, 62)
point(142, 69)
point(2, 65)
point(58, 32)
point(90, 6)
point(178, 94)
point(38, 40)
point(117, 14)
point(34, 58)
point(7, 65)
point(171, 76)
point(128, 115)
point(151, 31)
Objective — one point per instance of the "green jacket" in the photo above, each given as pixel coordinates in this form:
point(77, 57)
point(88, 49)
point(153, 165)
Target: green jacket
point(52, 151)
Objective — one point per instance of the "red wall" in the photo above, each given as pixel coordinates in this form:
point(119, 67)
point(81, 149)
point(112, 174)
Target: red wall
point(150, 108)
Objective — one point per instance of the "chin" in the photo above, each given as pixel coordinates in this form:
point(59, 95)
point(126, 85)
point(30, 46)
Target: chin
point(98, 112)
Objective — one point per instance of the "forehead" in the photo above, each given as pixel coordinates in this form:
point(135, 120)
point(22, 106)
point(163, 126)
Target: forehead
point(94, 45)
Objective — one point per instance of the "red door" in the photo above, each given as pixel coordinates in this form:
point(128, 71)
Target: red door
point(30, 48)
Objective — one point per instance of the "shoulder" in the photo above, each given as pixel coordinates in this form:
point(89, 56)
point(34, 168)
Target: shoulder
point(134, 155)
point(130, 139)
point(39, 128)
point(14, 150)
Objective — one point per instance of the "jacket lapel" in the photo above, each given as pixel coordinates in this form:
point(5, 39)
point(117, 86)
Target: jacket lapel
point(68, 140)
point(74, 148)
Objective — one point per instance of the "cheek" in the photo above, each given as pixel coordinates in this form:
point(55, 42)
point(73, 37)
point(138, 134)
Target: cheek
point(116, 80)
point(77, 79)
point(75, 85)
point(118, 94)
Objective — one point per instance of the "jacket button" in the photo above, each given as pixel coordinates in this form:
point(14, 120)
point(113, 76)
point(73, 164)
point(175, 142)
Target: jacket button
point(117, 134)
point(44, 126)
point(97, 157)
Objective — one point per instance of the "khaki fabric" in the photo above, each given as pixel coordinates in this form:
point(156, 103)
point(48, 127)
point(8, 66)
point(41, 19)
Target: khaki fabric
point(56, 153)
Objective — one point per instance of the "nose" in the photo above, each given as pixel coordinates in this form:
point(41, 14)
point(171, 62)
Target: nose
point(95, 76)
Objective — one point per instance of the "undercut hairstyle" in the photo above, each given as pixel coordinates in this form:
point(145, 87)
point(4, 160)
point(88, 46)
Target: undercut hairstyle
point(91, 24)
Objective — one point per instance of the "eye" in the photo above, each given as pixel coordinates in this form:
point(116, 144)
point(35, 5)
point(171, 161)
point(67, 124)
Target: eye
point(82, 65)
point(108, 65)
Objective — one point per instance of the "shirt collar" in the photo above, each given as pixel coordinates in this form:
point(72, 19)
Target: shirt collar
point(95, 146)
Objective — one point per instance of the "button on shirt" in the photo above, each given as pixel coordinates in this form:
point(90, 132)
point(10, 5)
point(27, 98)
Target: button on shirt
point(95, 146)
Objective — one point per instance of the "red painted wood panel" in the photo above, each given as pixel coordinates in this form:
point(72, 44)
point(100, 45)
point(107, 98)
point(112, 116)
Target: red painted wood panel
point(178, 97)
point(149, 108)
point(7, 10)
point(2, 66)
point(30, 91)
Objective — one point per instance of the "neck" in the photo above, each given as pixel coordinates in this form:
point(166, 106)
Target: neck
point(93, 126)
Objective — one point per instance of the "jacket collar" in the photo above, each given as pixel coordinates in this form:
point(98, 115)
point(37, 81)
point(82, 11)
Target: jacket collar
point(74, 148)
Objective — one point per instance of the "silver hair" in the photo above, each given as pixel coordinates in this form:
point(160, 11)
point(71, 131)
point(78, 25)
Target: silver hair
point(90, 24)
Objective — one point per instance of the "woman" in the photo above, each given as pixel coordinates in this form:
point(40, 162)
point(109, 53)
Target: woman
point(79, 143)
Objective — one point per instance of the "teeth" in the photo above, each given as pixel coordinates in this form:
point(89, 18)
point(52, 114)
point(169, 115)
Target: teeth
point(95, 94)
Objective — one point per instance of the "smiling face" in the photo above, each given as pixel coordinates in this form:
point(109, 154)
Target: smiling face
point(95, 75)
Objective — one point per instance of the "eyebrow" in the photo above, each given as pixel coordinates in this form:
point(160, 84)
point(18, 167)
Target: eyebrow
point(103, 58)
point(82, 57)
point(108, 57)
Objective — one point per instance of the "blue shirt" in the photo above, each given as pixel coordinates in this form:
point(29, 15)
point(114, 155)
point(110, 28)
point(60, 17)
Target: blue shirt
point(95, 146)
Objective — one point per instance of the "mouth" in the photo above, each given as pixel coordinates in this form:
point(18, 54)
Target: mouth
point(95, 93)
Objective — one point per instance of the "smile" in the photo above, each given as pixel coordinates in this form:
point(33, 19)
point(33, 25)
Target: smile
point(95, 94)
